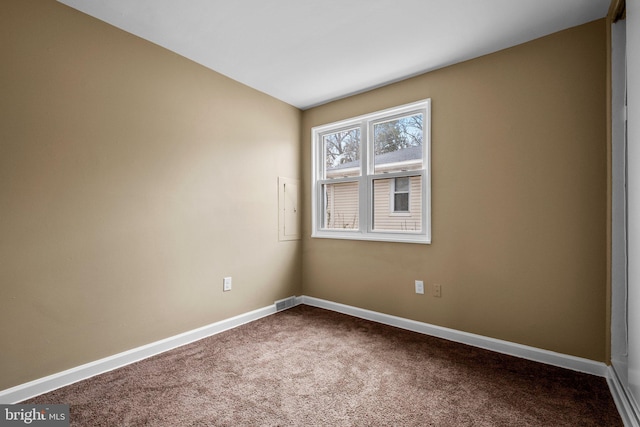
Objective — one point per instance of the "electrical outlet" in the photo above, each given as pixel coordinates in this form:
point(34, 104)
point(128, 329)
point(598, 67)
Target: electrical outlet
point(437, 290)
point(419, 287)
point(226, 284)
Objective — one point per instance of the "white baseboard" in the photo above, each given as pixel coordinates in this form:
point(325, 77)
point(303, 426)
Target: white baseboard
point(52, 382)
point(531, 353)
point(626, 407)
point(43, 385)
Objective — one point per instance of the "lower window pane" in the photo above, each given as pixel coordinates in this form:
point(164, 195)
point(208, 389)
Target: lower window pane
point(394, 211)
point(401, 202)
point(340, 206)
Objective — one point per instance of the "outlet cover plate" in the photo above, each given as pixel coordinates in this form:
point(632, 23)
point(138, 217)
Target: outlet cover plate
point(437, 291)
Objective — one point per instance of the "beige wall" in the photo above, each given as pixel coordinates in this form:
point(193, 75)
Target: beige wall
point(519, 160)
point(131, 182)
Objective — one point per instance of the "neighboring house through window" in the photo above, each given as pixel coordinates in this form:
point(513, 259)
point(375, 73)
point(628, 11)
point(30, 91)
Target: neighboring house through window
point(386, 196)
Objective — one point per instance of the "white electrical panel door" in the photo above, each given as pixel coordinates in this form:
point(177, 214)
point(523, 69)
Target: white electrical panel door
point(289, 209)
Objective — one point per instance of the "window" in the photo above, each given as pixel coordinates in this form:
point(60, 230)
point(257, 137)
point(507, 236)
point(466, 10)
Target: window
point(400, 194)
point(371, 176)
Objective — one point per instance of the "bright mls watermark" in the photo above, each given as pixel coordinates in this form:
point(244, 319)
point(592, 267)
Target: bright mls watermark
point(34, 415)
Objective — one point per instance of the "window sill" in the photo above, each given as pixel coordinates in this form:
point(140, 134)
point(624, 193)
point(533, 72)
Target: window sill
point(374, 237)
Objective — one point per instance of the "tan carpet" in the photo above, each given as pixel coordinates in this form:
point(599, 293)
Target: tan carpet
point(311, 367)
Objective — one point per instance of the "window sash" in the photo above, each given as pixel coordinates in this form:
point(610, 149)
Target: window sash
point(372, 168)
point(323, 149)
point(333, 217)
point(424, 204)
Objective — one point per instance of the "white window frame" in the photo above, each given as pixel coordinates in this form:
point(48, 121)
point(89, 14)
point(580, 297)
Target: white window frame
point(367, 176)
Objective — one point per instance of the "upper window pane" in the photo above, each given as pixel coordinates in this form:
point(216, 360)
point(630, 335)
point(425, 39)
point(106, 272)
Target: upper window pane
point(402, 185)
point(398, 144)
point(342, 153)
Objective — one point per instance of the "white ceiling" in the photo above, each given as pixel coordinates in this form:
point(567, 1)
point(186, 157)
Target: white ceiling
point(308, 52)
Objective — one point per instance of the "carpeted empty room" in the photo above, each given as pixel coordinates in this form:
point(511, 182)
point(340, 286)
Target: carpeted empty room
point(329, 213)
point(308, 366)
